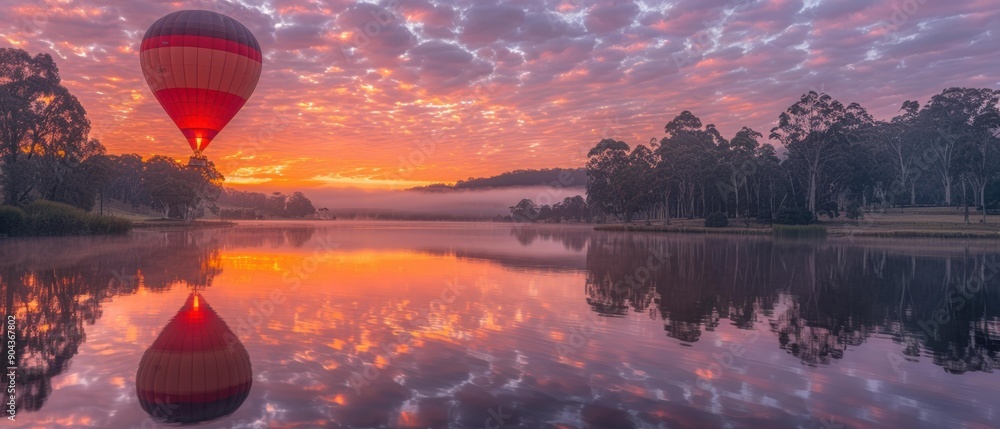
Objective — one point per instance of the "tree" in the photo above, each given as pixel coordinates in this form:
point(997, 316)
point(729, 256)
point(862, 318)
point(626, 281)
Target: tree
point(638, 190)
point(818, 131)
point(572, 208)
point(75, 178)
point(524, 211)
point(276, 204)
point(179, 191)
point(606, 164)
point(545, 213)
point(43, 128)
point(689, 156)
point(948, 122)
point(900, 142)
point(127, 183)
point(299, 206)
point(978, 152)
point(739, 158)
point(93, 177)
point(862, 172)
point(767, 179)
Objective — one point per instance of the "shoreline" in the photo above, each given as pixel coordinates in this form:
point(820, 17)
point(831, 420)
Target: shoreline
point(195, 224)
point(832, 230)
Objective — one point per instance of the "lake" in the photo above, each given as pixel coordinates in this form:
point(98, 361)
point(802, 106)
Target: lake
point(480, 325)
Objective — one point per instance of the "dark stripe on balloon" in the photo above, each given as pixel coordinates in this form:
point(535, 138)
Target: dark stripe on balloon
point(184, 41)
point(202, 23)
point(197, 397)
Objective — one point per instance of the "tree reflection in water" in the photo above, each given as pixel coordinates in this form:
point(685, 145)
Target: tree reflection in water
point(56, 286)
point(820, 298)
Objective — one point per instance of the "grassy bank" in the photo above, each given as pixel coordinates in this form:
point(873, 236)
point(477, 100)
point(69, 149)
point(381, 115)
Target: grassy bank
point(934, 222)
point(799, 231)
point(806, 231)
point(180, 223)
point(915, 234)
point(684, 229)
point(47, 218)
point(795, 231)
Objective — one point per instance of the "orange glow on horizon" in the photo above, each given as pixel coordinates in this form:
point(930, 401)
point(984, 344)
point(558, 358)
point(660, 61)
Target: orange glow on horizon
point(342, 98)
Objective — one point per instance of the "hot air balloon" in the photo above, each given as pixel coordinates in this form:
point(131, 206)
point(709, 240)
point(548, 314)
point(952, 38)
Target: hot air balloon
point(196, 370)
point(202, 67)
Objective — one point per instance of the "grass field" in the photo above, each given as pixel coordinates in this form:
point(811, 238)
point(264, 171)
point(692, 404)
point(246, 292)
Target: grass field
point(146, 218)
point(115, 208)
point(922, 222)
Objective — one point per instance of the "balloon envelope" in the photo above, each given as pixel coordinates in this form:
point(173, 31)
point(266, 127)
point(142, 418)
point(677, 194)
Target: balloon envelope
point(196, 370)
point(202, 67)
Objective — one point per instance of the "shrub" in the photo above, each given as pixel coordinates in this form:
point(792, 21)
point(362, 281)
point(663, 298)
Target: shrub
point(46, 218)
point(12, 220)
point(51, 218)
point(717, 220)
point(794, 216)
point(831, 210)
point(854, 211)
point(799, 231)
point(108, 225)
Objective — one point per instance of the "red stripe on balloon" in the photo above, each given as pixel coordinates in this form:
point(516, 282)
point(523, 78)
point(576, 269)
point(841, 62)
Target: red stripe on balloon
point(199, 329)
point(197, 118)
point(185, 41)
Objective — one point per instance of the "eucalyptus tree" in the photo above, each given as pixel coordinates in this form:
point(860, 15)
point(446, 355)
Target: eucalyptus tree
point(766, 177)
point(690, 153)
point(739, 157)
point(818, 132)
point(640, 191)
point(606, 165)
point(43, 128)
point(899, 140)
point(952, 120)
point(178, 191)
point(977, 132)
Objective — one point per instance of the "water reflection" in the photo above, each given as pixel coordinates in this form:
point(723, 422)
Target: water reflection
point(819, 299)
point(196, 370)
point(573, 239)
point(56, 286)
point(54, 293)
point(464, 325)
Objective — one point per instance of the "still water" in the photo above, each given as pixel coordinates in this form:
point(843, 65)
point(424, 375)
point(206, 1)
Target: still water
point(354, 324)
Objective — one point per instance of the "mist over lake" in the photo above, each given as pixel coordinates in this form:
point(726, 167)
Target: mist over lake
point(480, 202)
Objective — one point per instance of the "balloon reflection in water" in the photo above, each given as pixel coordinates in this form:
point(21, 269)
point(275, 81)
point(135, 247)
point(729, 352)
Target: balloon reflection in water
point(196, 370)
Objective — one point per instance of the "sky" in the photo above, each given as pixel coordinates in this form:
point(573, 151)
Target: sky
point(391, 94)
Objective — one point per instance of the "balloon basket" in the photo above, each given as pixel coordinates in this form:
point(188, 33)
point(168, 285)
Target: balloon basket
point(198, 161)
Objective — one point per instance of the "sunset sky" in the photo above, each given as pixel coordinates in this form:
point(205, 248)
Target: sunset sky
point(442, 90)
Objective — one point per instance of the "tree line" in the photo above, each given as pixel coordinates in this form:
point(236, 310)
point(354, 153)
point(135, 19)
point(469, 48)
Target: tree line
point(46, 153)
point(573, 208)
point(276, 204)
point(838, 158)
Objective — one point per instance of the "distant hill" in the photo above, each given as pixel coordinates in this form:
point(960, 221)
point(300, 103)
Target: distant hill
point(561, 177)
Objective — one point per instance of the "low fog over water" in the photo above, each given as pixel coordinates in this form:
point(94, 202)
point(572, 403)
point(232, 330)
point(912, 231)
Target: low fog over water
point(485, 203)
